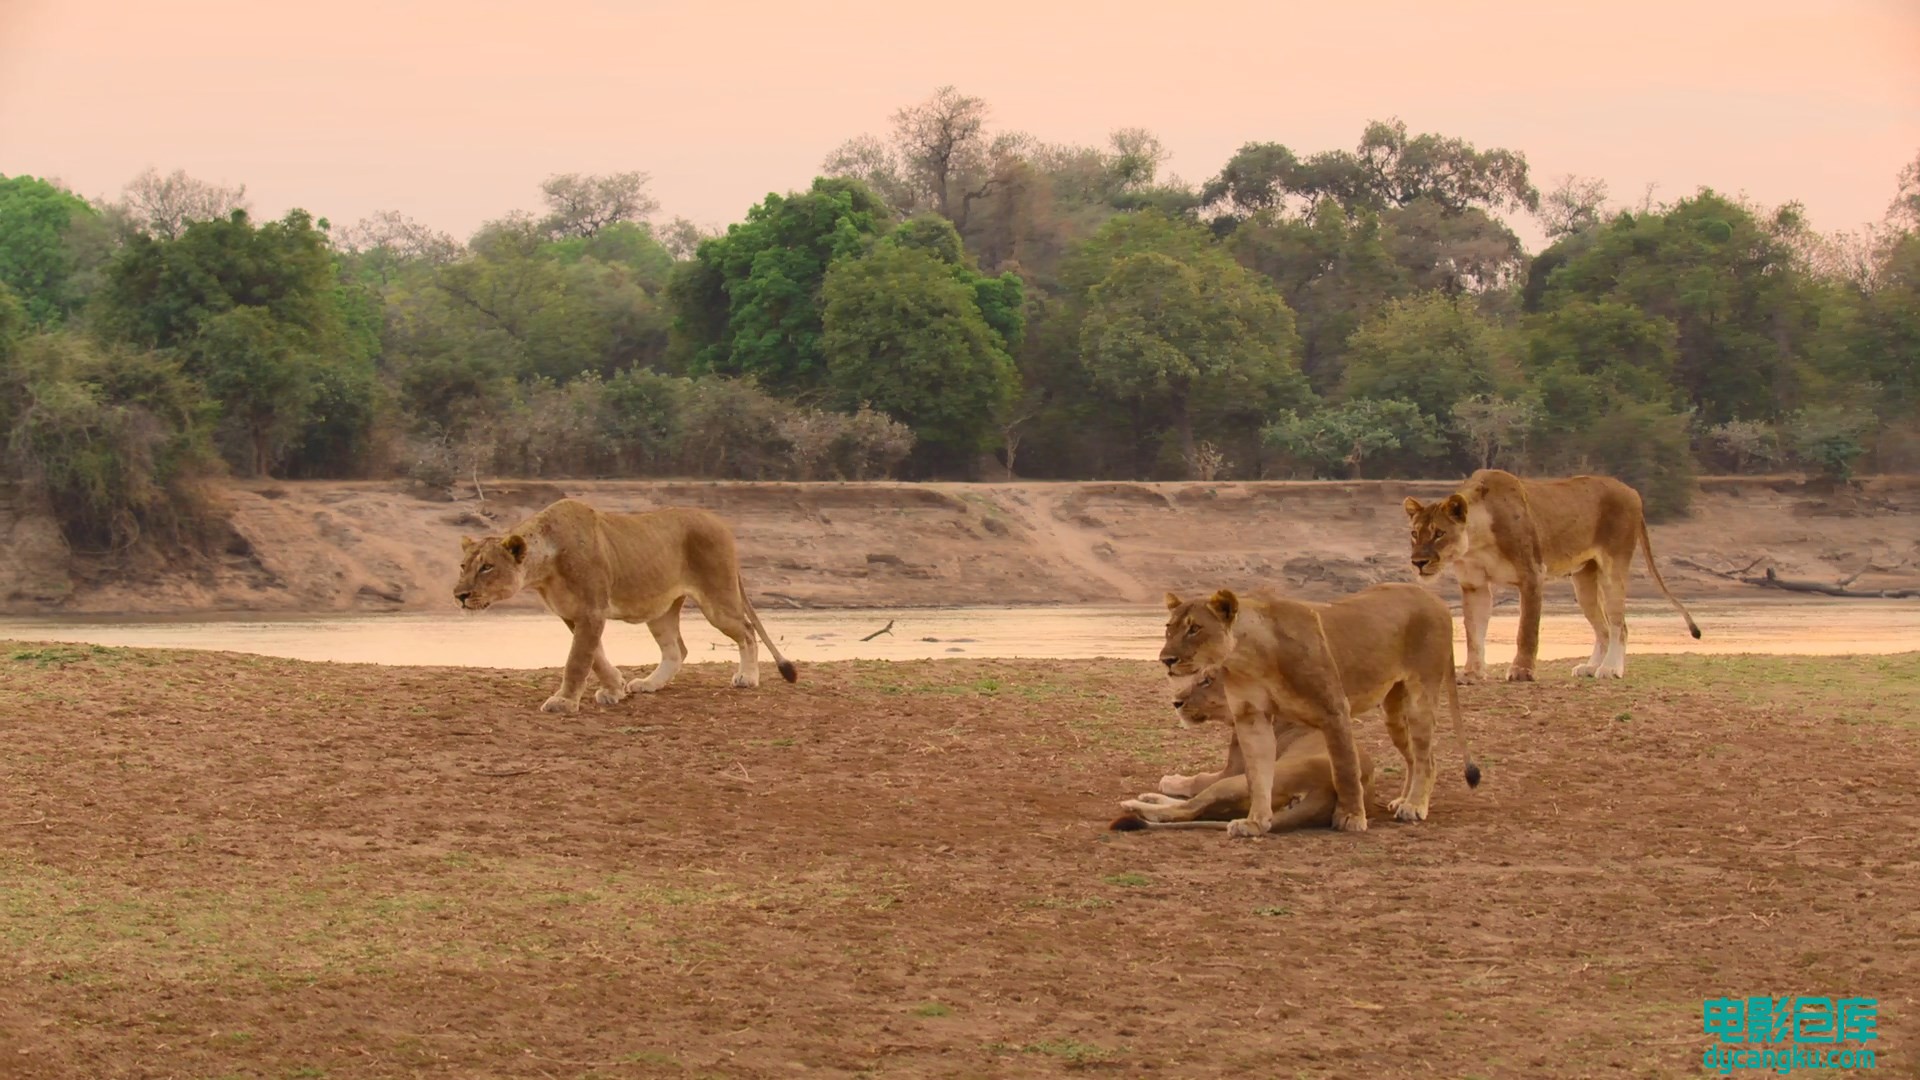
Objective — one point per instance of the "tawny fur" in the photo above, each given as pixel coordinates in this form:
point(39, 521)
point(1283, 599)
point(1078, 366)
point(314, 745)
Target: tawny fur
point(1501, 530)
point(589, 566)
point(1303, 795)
point(1283, 660)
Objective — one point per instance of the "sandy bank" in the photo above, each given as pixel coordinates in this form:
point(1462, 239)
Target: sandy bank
point(326, 546)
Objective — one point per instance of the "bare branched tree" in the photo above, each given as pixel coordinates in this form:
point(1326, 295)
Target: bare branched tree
point(582, 205)
point(1575, 205)
point(164, 206)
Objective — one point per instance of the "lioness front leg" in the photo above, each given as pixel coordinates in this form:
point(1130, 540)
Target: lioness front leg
point(1184, 787)
point(1476, 611)
point(580, 661)
point(1350, 811)
point(1253, 733)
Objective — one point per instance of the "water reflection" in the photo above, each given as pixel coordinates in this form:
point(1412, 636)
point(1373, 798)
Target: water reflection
point(533, 639)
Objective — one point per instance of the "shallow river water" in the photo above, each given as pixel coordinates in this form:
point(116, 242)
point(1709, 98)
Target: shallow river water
point(524, 638)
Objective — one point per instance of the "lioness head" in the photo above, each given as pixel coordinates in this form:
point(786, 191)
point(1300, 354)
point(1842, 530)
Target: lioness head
point(1198, 632)
point(491, 570)
point(1439, 532)
point(1204, 698)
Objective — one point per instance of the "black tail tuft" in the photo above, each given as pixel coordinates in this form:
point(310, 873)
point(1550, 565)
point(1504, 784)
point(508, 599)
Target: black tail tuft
point(1473, 774)
point(1696, 632)
point(787, 672)
point(1127, 823)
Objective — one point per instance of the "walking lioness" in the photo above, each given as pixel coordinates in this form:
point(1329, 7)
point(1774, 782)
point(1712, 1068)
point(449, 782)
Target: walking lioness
point(1501, 530)
point(590, 566)
point(1303, 794)
point(1320, 664)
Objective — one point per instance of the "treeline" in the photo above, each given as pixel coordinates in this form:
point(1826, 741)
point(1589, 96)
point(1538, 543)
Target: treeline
point(948, 300)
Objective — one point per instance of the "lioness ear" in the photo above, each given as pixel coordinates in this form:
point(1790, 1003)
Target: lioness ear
point(1413, 507)
point(1224, 604)
point(467, 544)
point(1172, 601)
point(516, 547)
point(1457, 508)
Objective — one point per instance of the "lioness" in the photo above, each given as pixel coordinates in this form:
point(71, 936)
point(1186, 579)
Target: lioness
point(1501, 530)
point(590, 566)
point(1302, 775)
point(1319, 664)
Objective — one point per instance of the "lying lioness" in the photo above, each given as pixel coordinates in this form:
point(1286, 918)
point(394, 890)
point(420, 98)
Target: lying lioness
point(1302, 775)
point(1388, 646)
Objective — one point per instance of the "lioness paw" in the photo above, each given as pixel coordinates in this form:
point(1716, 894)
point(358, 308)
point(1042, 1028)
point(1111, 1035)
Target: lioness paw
point(607, 697)
point(643, 686)
point(1587, 671)
point(1520, 674)
point(1405, 810)
point(1245, 827)
point(744, 681)
point(1350, 822)
point(558, 704)
point(1178, 786)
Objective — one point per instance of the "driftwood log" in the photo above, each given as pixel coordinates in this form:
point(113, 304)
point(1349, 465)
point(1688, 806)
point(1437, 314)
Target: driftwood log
point(1772, 580)
point(1775, 581)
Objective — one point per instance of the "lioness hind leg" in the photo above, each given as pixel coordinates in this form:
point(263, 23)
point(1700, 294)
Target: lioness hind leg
point(613, 689)
point(673, 650)
point(727, 616)
point(1586, 589)
point(1395, 707)
point(1305, 810)
point(1411, 712)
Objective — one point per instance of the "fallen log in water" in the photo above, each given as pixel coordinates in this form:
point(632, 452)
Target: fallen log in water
point(1775, 581)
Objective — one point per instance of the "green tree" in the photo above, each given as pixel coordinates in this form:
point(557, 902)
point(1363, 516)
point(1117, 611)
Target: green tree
point(37, 260)
point(1388, 168)
point(748, 303)
point(1333, 270)
point(259, 316)
point(1432, 350)
point(1628, 350)
point(1162, 332)
point(115, 438)
point(904, 332)
point(1725, 279)
point(1344, 436)
point(1831, 438)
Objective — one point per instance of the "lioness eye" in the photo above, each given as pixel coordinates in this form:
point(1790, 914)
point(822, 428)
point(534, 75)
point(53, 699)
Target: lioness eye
point(1192, 630)
point(486, 568)
point(1208, 681)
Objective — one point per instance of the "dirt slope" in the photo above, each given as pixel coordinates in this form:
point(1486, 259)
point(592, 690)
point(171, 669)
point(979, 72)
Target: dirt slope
point(333, 546)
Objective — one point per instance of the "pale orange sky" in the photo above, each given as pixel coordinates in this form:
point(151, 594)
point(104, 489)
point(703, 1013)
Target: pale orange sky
point(452, 111)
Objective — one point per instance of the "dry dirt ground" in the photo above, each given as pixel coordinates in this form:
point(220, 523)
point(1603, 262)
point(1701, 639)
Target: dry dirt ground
point(319, 546)
point(215, 865)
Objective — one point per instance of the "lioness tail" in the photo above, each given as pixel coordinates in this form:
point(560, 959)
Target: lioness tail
point(1646, 545)
point(785, 666)
point(1459, 726)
